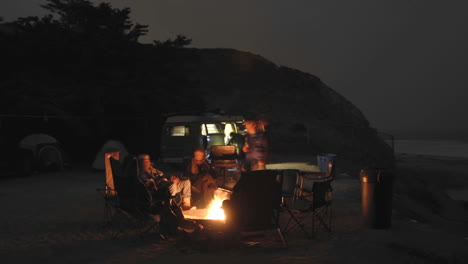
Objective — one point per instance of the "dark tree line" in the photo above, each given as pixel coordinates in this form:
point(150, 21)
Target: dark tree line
point(83, 59)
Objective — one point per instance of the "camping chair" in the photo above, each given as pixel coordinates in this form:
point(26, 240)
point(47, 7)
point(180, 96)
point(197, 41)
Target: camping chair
point(128, 202)
point(109, 194)
point(254, 204)
point(311, 205)
point(289, 181)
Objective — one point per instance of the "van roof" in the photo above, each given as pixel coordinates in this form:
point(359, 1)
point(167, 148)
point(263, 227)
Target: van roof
point(204, 118)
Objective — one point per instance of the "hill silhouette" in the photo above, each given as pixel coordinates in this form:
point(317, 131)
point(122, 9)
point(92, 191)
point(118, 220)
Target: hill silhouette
point(86, 61)
point(305, 115)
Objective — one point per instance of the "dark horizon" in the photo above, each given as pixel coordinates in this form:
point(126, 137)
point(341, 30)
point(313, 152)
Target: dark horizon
point(461, 135)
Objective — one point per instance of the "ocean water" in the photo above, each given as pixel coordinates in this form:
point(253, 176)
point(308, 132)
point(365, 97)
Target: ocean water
point(458, 194)
point(448, 148)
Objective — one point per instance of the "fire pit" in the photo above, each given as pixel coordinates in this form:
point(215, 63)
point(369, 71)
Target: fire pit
point(212, 216)
point(251, 207)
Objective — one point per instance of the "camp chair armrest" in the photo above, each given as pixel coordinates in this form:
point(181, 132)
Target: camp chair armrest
point(315, 177)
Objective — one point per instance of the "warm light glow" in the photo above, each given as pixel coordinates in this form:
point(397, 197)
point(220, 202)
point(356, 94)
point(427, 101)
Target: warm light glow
point(214, 209)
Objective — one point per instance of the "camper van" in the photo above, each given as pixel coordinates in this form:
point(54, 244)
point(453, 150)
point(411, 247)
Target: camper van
point(181, 134)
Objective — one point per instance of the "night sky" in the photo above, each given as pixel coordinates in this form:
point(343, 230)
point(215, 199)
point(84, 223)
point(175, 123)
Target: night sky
point(402, 62)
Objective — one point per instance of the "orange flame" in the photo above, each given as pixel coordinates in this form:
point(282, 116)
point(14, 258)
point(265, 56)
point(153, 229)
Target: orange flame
point(214, 209)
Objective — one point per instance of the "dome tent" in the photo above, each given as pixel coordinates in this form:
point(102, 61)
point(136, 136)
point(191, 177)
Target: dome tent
point(109, 146)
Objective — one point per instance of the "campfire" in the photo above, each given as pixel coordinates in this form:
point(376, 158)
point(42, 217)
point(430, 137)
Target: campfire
point(213, 210)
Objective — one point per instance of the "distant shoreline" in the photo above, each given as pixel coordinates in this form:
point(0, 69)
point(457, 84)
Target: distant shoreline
point(432, 147)
point(457, 136)
point(434, 138)
point(448, 173)
point(430, 157)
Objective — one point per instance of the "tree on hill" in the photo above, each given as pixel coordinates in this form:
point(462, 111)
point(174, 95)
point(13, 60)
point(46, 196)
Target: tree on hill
point(88, 22)
point(85, 59)
point(81, 50)
point(179, 42)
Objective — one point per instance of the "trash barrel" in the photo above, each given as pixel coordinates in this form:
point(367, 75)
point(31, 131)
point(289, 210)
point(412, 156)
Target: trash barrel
point(376, 197)
point(323, 159)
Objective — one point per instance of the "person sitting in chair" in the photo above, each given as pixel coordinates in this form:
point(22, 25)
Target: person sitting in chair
point(181, 187)
point(154, 179)
point(200, 174)
point(149, 175)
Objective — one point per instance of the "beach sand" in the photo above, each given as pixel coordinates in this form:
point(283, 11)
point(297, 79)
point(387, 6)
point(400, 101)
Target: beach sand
point(57, 218)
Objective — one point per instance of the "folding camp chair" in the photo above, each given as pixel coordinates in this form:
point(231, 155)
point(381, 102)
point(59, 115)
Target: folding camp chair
point(289, 181)
point(112, 213)
point(254, 204)
point(311, 205)
point(128, 202)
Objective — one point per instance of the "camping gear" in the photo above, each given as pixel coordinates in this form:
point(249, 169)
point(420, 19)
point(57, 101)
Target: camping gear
point(254, 204)
point(111, 146)
point(31, 141)
point(47, 152)
point(182, 133)
point(376, 197)
point(224, 159)
point(323, 159)
point(128, 202)
point(311, 202)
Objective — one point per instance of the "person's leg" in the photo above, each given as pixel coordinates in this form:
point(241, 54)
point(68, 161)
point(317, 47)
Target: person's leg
point(175, 192)
point(185, 188)
point(186, 192)
point(175, 188)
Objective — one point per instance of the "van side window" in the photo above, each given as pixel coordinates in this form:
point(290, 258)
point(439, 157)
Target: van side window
point(212, 129)
point(178, 131)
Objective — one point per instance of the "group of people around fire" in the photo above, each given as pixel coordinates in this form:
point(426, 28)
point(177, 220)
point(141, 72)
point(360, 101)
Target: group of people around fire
point(198, 182)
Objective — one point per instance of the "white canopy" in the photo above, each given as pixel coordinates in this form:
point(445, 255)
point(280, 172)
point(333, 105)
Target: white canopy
point(31, 141)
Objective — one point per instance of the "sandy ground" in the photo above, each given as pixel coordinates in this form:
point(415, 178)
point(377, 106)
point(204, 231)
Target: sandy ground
point(57, 218)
